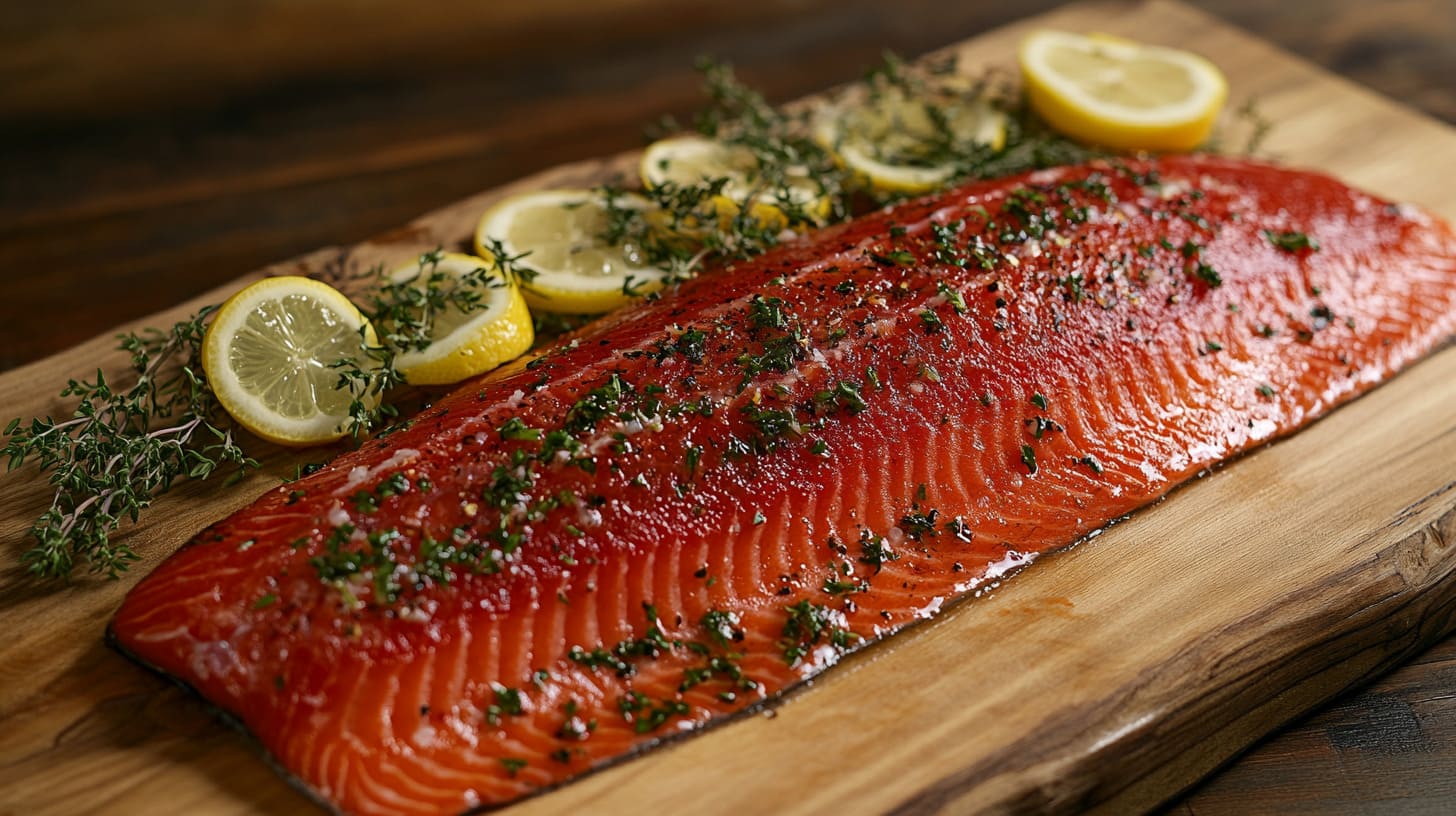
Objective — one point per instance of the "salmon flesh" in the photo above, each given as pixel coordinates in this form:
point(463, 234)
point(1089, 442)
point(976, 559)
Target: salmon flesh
point(709, 497)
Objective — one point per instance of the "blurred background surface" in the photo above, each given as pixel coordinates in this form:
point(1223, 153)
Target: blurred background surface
point(153, 149)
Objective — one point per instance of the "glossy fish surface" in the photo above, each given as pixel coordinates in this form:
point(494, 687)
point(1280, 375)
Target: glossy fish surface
point(707, 498)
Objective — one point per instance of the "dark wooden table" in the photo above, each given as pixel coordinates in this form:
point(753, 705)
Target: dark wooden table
point(152, 150)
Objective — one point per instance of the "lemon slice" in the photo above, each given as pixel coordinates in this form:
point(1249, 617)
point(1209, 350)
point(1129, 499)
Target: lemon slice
point(270, 358)
point(575, 270)
point(1120, 94)
point(464, 343)
point(693, 160)
point(901, 144)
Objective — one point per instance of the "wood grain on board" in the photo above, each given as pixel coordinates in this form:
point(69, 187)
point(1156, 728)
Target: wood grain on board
point(1113, 675)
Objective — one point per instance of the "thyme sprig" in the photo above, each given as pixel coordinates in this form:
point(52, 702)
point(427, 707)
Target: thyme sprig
point(786, 156)
point(685, 227)
point(121, 448)
point(406, 310)
point(125, 445)
point(790, 178)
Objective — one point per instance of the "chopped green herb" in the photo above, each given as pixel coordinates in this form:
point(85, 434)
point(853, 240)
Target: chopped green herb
point(837, 587)
point(845, 394)
point(773, 425)
point(767, 313)
point(917, 525)
point(953, 297)
point(515, 429)
point(807, 625)
point(600, 658)
point(931, 321)
point(365, 502)
point(657, 716)
point(1208, 275)
point(779, 354)
point(898, 257)
point(875, 551)
point(1041, 426)
point(395, 485)
point(509, 700)
point(1028, 458)
point(1292, 241)
point(723, 627)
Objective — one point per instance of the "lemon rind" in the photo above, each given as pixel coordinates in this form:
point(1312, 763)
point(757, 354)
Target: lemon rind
point(500, 333)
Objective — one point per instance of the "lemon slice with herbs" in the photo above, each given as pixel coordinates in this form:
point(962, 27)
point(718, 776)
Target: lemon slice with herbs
point(1119, 94)
point(567, 264)
point(467, 318)
point(789, 199)
point(272, 357)
point(898, 142)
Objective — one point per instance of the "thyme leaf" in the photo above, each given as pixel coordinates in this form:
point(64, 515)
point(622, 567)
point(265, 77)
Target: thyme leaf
point(124, 445)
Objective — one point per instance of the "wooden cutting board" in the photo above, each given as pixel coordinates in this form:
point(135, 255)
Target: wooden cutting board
point(1112, 675)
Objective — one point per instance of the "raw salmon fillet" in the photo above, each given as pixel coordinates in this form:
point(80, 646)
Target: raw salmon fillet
point(710, 497)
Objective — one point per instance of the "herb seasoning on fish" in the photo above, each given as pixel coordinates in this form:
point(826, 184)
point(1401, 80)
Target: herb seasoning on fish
point(554, 508)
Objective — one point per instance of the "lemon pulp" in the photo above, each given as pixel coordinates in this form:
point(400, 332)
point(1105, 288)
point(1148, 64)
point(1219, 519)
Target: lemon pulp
point(575, 269)
point(1120, 94)
point(692, 160)
point(272, 354)
point(893, 142)
point(280, 355)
